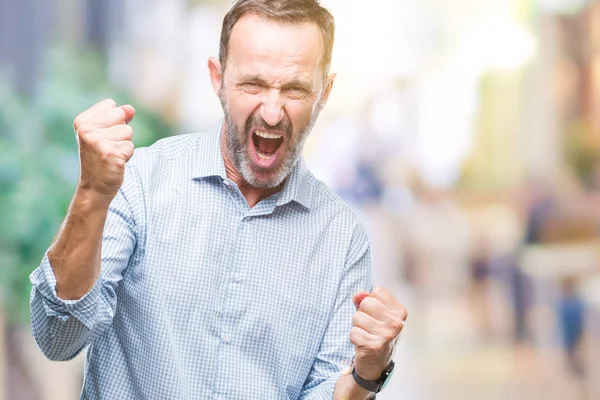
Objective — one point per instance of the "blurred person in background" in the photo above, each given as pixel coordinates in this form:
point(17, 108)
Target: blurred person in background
point(438, 236)
point(539, 206)
point(570, 313)
point(480, 277)
point(216, 265)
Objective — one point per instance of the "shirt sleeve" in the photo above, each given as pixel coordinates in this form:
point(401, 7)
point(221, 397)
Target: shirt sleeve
point(336, 350)
point(62, 328)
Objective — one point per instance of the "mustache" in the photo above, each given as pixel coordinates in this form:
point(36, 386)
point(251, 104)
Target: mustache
point(257, 122)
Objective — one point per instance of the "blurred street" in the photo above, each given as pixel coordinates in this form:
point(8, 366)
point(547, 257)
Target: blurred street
point(438, 361)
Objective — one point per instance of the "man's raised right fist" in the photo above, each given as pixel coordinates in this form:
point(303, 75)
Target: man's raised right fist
point(104, 141)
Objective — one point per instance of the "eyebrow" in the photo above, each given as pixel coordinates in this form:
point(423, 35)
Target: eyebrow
point(259, 79)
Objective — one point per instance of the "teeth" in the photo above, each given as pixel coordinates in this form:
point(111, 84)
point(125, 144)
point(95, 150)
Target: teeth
point(263, 156)
point(267, 135)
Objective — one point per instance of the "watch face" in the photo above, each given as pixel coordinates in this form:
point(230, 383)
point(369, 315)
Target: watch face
point(388, 379)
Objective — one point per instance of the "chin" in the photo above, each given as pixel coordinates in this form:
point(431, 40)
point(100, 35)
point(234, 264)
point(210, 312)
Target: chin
point(263, 179)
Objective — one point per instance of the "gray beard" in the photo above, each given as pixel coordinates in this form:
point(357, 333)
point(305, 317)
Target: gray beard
point(237, 146)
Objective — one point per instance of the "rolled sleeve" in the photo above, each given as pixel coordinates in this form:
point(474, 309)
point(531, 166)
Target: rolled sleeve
point(84, 309)
point(60, 327)
point(324, 388)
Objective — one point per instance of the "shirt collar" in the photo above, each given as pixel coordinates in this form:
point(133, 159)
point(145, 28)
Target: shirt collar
point(209, 158)
point(297, 186)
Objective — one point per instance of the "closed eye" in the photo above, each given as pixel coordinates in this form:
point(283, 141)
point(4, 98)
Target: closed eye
point(296, 92)
point(251, 87)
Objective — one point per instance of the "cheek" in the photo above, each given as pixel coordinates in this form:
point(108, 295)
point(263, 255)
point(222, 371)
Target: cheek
point(299, 112)
point(242, 106)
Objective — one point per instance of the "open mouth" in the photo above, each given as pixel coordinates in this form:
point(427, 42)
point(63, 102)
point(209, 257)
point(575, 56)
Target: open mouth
point(266, 145)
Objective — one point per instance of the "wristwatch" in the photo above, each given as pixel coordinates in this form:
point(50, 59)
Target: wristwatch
point(377, 385)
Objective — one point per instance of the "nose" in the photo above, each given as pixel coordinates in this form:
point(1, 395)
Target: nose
point(271, 108)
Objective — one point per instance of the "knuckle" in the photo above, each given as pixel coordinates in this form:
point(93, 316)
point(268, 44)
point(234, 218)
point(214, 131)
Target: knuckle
point(104, 151)
point(367, 301)
point(82, 131)
point(111, 102)
point(404, 314)
point(105, 156)
point(120, 112)
point(77, 122)
point(397, 326)
point(354, 335)
point(129, 149)
point(360, 317)
point(390, 336)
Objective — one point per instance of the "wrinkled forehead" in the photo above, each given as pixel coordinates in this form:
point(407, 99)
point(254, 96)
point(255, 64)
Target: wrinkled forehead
point(279, 50)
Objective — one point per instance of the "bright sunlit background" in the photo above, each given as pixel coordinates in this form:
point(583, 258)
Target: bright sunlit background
point(465, 133)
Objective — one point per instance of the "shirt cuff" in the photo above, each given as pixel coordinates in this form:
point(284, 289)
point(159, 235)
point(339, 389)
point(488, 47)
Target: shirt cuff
point(84, 309)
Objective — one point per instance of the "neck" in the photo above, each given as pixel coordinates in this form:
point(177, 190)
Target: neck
point(253, 195)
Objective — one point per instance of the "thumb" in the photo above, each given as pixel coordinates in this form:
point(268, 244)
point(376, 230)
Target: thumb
point(359, 297)
point(129, 112)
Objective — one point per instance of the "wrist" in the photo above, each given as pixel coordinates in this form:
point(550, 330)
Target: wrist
point(89, 199)
point(370, 371)
point(346, 388)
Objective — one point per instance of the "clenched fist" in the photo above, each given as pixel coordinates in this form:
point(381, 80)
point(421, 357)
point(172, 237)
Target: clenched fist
point(378, 321)
point(104, 141)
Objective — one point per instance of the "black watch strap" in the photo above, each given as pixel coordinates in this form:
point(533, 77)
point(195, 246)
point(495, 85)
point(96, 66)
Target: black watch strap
point(373, 386)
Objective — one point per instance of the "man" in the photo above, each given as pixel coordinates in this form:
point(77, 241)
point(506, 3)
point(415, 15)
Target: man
point(215, 265)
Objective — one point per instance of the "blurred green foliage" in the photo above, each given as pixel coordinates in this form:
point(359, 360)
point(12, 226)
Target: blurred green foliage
point(39, 164)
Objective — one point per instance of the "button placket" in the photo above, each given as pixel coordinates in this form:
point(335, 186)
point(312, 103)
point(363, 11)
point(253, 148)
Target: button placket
point(228, 325)
point(236, 276)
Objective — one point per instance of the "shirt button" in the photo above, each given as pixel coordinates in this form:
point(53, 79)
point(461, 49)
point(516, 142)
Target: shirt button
point(226, 339)
point(237, 278)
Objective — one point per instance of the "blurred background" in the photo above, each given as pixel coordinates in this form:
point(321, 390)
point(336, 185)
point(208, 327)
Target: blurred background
point(465, 133)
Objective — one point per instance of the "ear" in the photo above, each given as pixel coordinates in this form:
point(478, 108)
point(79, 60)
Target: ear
point(328, 87)
point(214, 72)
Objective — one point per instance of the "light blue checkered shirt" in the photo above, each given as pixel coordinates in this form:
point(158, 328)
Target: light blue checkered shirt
point(201, 296)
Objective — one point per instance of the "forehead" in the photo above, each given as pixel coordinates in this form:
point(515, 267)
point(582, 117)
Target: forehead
point(276, 50)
